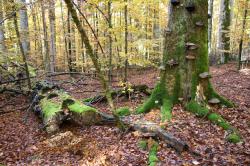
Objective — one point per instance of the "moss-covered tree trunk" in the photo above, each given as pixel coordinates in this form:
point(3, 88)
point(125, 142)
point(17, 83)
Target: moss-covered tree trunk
point(184, 75)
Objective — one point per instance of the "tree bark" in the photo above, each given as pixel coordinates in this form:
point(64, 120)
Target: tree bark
point(224, 29)
point(24, 28)
point(52, 21)
point(126, 40)
point(2, 34)
point(45, 40)
point(242, 38)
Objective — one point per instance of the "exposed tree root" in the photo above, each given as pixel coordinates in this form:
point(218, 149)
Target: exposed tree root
point(215, 118)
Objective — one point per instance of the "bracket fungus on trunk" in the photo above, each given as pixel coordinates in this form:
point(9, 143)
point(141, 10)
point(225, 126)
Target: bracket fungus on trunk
point(191, 46)
point(190, 7)
point(205, 75)
point(175, 2)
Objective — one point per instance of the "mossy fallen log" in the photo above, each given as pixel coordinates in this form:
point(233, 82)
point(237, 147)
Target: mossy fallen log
point(55, 106)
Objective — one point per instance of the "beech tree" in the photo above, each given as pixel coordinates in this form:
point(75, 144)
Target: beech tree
point(223, 36)
point(184, 75)
point(24, 28)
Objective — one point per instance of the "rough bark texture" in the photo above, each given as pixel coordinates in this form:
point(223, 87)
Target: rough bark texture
point(184, 72)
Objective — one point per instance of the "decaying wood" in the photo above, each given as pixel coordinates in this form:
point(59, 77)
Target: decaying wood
point(47, 92)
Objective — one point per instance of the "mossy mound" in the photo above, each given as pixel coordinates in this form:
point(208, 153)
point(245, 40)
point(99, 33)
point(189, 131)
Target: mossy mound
point(166, 109)
point(123, 111)
point(217, 119)
point(50, 108)
point(197, 109)
point(153, 159)
point(233, 138)
point(78, 107)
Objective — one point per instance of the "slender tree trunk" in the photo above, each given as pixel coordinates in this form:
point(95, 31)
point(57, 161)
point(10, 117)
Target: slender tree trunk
point(210, 25)
point(242, 38)
point(110, 40)
point(2, 34)
point(22, 50)
point(52, 21)
point(24, 28)
point(224, 36)
point(94, 59)
point(126, 40)
point(45, 39)
point(64, 37)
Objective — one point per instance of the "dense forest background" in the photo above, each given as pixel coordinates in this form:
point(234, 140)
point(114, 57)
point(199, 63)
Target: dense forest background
point(119, 31)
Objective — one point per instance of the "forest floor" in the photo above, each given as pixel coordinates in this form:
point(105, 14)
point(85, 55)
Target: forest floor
point(24, 143)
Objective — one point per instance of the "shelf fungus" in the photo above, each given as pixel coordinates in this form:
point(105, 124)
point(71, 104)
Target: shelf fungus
point(214, 101)
point(204, 75)
point(190, 7)
point(199, 24)
point(172, 62)
point(191, 46)
point(175, 2)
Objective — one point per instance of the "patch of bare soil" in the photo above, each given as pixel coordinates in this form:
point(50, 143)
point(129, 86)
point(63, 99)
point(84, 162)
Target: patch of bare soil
point(27, 144)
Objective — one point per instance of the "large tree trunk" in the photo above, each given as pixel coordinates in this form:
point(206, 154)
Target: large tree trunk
point(184, 71)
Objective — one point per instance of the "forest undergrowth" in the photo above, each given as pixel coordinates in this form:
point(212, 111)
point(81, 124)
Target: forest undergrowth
point(26, 143)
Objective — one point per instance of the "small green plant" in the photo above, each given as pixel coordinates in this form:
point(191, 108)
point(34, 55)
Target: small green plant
point(123, 111)
point(142, 144)
point(126, 88)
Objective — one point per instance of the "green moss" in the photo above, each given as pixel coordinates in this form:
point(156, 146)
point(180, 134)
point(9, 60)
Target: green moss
point(217, 119)
point(142, 144)
point(155, 99)
point(177, 88)
point(123, 111)
point(233, 138)
point(80, 108)
point(212, 94)
point(50, 108)
point(166, 109)
point(197, 109)
point(153, 159)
